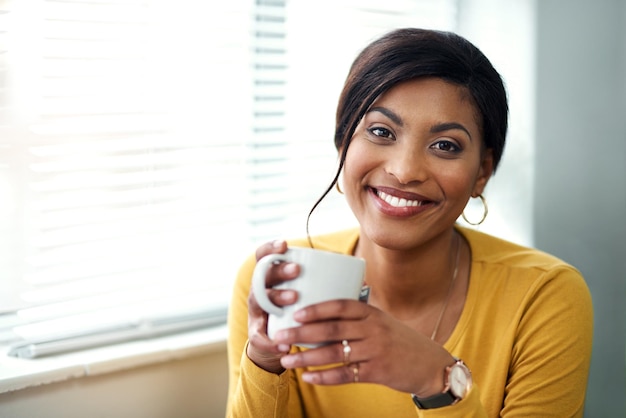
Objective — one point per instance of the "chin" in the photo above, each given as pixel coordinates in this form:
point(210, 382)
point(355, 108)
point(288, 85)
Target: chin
point(391, 239)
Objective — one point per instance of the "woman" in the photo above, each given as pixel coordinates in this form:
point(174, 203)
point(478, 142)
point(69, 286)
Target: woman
point(421, 126)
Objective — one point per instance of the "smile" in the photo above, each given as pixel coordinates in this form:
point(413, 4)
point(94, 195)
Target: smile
point(398, 202)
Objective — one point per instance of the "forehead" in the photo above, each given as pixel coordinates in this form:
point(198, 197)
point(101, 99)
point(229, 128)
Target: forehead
point(431, 96)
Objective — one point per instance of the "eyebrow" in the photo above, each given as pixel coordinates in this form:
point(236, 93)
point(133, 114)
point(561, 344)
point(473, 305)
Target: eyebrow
point(445, 126)
point(390, 114)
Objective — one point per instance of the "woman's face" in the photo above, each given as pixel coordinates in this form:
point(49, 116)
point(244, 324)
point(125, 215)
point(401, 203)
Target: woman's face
point(414, 161)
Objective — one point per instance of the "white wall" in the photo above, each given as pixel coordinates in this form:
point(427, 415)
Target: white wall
point(505, 32)
point(580, 188)
point(186, 388)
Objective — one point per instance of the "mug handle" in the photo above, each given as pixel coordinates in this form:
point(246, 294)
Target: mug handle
point(258, 282)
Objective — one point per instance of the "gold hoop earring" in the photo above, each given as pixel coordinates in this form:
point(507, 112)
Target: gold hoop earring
point(338, 188)
point(485, 212)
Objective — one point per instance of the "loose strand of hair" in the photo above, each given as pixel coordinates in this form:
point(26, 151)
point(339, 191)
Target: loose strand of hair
point(321, 198)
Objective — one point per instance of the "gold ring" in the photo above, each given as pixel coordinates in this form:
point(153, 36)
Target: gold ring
point(346, 352)
point(355, 372)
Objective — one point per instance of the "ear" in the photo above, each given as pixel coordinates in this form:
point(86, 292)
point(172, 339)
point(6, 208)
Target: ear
point(485, 170)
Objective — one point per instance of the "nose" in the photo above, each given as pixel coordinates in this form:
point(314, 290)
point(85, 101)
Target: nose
point(407, 165)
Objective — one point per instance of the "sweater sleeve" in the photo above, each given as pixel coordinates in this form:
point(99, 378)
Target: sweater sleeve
point(252, 391)
point(544, 352)
point(552, 349)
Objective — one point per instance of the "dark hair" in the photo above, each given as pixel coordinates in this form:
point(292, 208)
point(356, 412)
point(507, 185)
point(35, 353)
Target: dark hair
point(406, 54)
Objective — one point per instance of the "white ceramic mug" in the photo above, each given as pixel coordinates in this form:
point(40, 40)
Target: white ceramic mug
point(323, 276)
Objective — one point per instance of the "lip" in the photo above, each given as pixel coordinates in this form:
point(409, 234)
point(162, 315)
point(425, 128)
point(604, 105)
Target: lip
point(399, 211)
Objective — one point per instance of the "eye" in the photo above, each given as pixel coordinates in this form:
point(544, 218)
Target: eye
point(447, 146)
point(381, 132)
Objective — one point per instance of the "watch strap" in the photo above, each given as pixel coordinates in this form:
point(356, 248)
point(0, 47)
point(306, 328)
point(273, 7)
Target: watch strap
point(446, 397)
point(436, 401)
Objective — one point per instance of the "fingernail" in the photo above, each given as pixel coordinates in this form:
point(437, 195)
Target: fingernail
point(280, 335)
point(307, 377)
point(278, 243)
point(299, 315)
point(287, 296)
point(285, 348)
point(287, 361)
point(290, 268)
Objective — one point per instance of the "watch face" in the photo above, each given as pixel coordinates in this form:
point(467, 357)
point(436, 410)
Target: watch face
point(458, 384)
point(460, 380)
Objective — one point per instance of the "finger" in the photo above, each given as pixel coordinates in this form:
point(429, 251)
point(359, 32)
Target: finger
point(351, 373)
point(323, 332)
point(281, 272)
point(334, 309)
point(278, 298)
point(260, 342)
point(264, 353)
point(345, 352)
point(272, 247)
point(282, 297)
point(258, 338)
point(254, 309)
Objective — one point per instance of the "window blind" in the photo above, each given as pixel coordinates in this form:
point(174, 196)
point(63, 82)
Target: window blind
point(127, 134)
point(147, 147)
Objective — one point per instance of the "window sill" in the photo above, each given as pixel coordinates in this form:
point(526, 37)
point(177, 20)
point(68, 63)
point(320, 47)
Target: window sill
point(17, 373)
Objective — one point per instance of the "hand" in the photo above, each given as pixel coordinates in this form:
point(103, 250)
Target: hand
point(264, 352)
point(385, 350)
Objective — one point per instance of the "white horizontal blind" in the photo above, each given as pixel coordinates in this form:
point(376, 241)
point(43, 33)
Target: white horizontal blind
point(124, 152)
point(146, 147)
point(8, 211)
point(268, 162)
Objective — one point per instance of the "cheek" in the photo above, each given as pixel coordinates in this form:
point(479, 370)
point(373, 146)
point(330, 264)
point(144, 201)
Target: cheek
point(457, 182)
point(359, 161)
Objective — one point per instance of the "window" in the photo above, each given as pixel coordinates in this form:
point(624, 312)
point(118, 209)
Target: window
point(146, 149)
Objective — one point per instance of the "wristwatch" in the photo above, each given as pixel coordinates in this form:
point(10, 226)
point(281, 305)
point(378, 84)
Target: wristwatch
point(457, 384)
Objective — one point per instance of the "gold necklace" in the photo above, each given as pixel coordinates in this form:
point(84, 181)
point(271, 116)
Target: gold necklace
point(454, 274)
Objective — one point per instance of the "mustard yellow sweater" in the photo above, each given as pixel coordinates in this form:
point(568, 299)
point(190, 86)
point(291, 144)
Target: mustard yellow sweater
point(525, 332)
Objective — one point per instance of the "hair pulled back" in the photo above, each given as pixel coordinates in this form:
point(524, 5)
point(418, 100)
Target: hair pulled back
point(405, 54)
point(410, 53)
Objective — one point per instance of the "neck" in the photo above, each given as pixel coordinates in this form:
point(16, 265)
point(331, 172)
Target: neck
point(411, 284)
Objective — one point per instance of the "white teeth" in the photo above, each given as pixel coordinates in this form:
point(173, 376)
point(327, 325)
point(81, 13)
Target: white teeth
point(397, 202)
